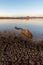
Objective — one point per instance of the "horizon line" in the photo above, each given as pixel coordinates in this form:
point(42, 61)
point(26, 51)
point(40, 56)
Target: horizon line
point(21, 17)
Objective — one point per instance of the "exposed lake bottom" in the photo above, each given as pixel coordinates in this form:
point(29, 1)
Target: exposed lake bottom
point(16, 50)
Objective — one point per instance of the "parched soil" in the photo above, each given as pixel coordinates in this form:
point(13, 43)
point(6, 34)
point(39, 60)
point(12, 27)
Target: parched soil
point(15, 50)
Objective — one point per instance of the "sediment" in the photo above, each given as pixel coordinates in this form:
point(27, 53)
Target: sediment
point(14, 50)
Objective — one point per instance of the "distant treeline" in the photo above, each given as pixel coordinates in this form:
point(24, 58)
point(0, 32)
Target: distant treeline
point(27, 17)
point(15, 17)
point(36, 17)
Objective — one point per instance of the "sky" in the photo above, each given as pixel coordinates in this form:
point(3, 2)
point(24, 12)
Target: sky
point(21, 7)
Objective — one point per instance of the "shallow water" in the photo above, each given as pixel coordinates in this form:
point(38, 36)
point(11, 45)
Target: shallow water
point(34, 25)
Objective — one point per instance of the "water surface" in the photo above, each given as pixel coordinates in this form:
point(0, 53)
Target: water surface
point(34, 25)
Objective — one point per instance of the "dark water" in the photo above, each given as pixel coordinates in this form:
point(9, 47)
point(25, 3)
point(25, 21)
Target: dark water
point(34, 25)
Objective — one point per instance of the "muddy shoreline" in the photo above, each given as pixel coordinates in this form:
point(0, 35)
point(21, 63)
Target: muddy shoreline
point(16, 50)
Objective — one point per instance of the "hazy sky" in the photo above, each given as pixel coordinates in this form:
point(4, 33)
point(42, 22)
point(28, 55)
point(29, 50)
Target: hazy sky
point(21, 7)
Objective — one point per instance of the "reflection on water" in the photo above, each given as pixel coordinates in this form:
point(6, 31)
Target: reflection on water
point(34, 25)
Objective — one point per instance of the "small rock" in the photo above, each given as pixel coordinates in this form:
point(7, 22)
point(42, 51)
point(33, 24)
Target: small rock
point(38, 63)
point(42, 63)
point(31, 62)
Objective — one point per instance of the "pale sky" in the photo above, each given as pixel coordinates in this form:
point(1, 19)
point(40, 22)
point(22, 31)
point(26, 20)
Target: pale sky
point(21, 7)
